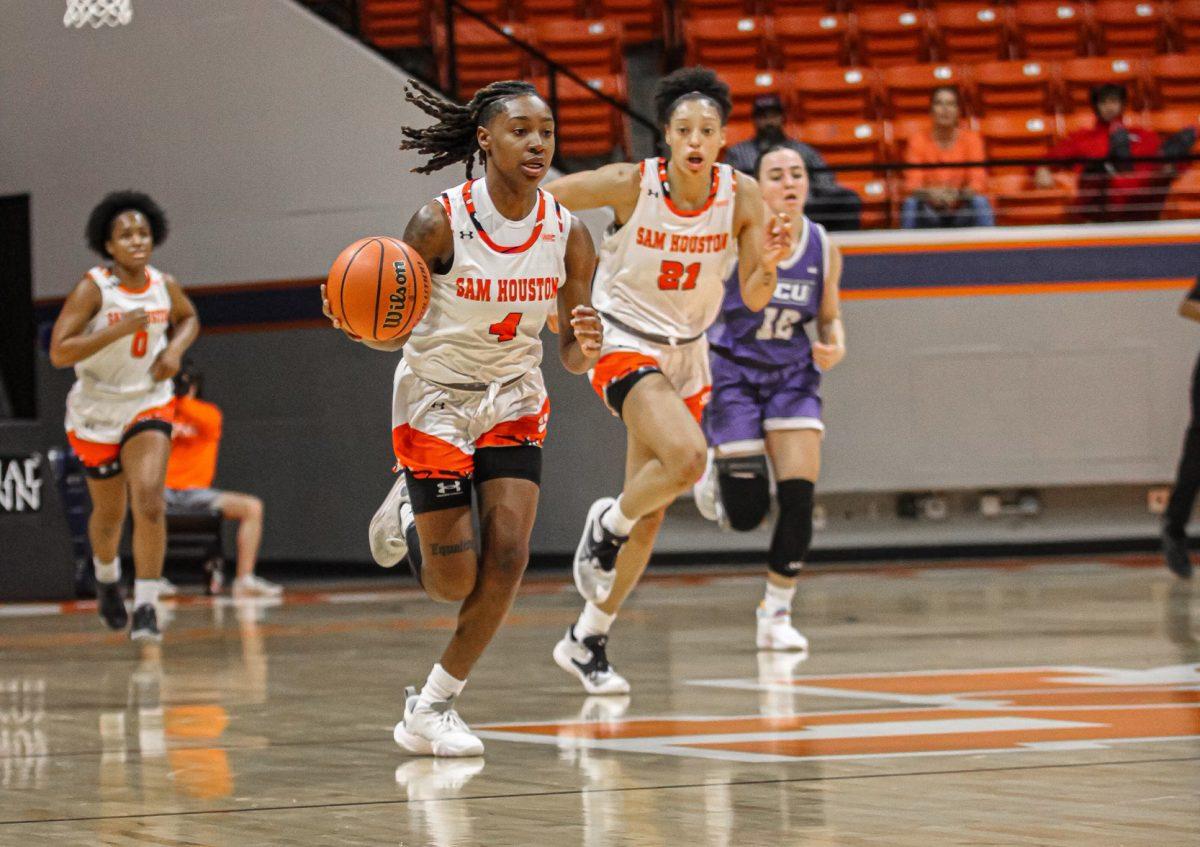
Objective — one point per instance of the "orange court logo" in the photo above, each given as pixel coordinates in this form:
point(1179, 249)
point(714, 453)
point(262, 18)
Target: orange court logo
point(917, 713)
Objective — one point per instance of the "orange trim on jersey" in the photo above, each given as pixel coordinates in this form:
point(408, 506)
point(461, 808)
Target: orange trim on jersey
point(445, 201)
point(487, 239)
point(95, 454)
point(529, 430)
point(698, 401)
point(617, 366)
point(141, 290)
point(715, 183)
point(428, 456)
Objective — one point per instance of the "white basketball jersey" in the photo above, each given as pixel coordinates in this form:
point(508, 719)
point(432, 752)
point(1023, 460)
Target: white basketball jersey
point(122, 369)
point(486, 313)
point(664, 270)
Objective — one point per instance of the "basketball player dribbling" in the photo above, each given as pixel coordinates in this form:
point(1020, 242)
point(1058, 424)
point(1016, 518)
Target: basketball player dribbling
point(766, 398)
point(125, 328)
point(678, 227)
point(469, 408)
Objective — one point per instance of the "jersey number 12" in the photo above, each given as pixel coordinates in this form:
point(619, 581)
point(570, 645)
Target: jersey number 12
point(778, 324)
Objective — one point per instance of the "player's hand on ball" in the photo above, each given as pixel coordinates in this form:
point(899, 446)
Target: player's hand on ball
point(778, 243)
point(827, 355)
point(165, 366)
point(329, 314)
point(588, 331)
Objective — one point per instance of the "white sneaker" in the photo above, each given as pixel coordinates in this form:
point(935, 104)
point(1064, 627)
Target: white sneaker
point(391, 519)
point(434, 730)
point(434, 779)
point(707, 495)
point(166, 588)
point(775, 630)
point(587, 660)
point(595, 565)
point(255, 586)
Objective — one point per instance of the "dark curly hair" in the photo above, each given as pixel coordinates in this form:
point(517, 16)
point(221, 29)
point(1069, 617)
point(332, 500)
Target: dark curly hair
point(687, 84)
point(100, 221)
point(452, 139)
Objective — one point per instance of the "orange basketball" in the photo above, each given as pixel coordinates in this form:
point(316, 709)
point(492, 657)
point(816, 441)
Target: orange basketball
point(378, 288)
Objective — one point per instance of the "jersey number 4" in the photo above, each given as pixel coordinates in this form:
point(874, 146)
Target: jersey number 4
point(141, 341)
point(778, 324)
point(670, 274)
point(506, 330)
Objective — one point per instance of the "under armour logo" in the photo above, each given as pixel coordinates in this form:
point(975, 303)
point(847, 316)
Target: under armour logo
point(466, 234)
point(651, 192)
point(449, 488)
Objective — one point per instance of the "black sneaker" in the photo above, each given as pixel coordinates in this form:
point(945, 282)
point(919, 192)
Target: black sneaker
point(111, 605)
point(1175, 551)
point(145, 624)
point(595, 565)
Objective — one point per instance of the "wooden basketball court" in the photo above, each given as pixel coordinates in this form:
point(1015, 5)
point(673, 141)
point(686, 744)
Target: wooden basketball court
point(1040, 703)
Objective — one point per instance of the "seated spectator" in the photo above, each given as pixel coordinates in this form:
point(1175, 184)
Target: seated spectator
point(948, 196)
point(1112, 188)
point(833, 206)
point(190, 471)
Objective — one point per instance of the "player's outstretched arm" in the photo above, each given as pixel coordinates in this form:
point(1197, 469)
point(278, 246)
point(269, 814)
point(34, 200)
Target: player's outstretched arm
point(830, 346)
point(762, 244)
point(185, 327)
point(615, 186)
point(579, 332)
point(69, 341)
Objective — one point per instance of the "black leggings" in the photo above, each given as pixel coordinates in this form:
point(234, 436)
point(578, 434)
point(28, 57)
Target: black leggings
point(1187, 479)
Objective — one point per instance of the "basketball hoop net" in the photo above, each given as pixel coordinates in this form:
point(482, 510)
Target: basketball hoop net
point(98, 13)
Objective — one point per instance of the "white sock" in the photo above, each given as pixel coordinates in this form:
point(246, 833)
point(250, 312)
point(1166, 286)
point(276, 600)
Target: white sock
point(779, 598)
point(616, 521)
point(145, 591)
point(107, 571)
point(440, 686)
point(593, 621)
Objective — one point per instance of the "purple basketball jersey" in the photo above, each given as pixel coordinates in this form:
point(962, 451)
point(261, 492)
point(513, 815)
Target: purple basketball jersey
point(776, 335)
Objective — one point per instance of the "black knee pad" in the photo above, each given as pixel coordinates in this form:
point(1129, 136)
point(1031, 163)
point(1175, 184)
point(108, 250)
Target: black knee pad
point(745, 490)
point(523, 461)
point(793, 530)
point(430, 494)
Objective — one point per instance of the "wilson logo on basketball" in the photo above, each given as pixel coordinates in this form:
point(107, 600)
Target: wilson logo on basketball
point(397, 299)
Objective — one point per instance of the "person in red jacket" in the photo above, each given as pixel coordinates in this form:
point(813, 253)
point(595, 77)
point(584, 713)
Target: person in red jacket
point(1112, 188)
point(190, 471)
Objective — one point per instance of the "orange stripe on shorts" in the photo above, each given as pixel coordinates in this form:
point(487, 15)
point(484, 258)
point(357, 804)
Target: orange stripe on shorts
point(530, 429)
point(616, 366)
point(428, 456)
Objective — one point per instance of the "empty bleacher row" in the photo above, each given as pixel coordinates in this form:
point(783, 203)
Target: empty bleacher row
point(855, 78)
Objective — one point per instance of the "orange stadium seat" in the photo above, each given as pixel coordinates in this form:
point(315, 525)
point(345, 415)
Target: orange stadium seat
point(1169, 121)
point(497, 10)
point(907, 89)
point(589, 48)
point(815, 40)
point(394, 24)
point(641, 20)
point(892, 36)
point(1019, 203)
point(1183, 197)
point(586, 125)
point(537, 10)
point(788, 7)
point(844, 142)
point(744, 86)
point(1017, 137)
point(877, 198)
point(902, 130)
point(1022, 85)
point(1174, 80)
point(1080, 76)
point(726, 42)
point(483, 56)
point(836, 93)
point(1057, 29)
point(1129, 27)
point(971, 32)
point(717, 8)
point(1185, 19)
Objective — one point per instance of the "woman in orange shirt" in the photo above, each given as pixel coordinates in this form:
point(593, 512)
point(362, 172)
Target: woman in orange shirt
point(949, 196)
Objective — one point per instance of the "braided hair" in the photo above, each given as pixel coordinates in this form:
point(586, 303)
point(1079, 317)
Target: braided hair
point(98, 231)
point(690, 84)
point(453, 139)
